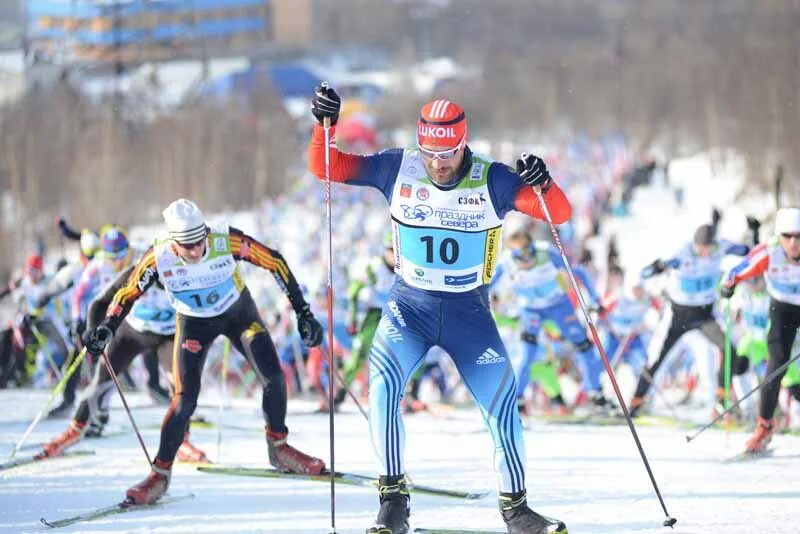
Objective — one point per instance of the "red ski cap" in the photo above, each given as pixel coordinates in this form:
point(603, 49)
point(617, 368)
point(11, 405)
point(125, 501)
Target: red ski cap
point(442, 123)
point(34, 262)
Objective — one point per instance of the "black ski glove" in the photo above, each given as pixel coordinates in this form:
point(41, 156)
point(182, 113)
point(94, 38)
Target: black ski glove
point(76, 330)
point(309, 328)
point(533, 171)
point(754, 225)
point(657, 267)
point(96, 340)
point(716, 216)
point(42, 301)
point(597, 308)
point(325, 103)
point(726, 291)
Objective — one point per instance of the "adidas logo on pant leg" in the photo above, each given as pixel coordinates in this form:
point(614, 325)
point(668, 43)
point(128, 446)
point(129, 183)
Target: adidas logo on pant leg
point(489, 356)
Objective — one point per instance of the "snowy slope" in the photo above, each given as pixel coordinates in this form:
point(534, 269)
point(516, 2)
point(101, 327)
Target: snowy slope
point(591, 477)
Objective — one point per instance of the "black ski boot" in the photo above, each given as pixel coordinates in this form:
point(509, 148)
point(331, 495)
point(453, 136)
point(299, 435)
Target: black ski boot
point(602, 405)
point(96, 426)
point(395, 507)
point(340, 396)
point(522, 520)
point(62, 410)
point(158, 394)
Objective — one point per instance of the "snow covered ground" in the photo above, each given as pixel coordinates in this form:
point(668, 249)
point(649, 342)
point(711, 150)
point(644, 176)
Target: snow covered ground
point(589, 476)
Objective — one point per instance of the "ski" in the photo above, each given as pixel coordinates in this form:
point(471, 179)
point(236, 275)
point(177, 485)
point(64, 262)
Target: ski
point(343, 478)
point(110, 434)
point(748, 456)
point(119, 508)
point(26, 460)
point(582, 419)
point(206, 424)
point(643, 420)
point(553, 528)
point(33, 445)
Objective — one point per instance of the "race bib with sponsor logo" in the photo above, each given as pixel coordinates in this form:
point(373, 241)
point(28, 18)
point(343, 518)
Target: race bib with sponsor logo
point(444, 240)
point(153, 312)
point(782, 276)
point(206, 288)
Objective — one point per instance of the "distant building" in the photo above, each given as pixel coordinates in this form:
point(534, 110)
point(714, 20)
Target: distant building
point(134, 31)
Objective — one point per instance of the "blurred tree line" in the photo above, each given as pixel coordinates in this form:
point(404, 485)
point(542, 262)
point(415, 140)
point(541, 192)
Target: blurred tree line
point(95, 162)
point(678, 77)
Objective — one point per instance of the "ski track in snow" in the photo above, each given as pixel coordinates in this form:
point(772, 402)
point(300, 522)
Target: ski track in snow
point(589, 476)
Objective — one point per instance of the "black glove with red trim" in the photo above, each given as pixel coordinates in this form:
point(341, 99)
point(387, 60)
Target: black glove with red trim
point(533, 171)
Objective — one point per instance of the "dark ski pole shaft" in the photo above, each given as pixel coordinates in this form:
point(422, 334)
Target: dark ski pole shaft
point(327, 126)
point(223, 379)
point(71, 368)
point(727, 356)
point(669, 521)
point(344, 385)
point(125, 405)
point(769, 378)
point(617, 358)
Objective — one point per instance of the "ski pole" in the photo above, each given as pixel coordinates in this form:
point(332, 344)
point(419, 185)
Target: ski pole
point(769, 378)
point(226, 351)
point(340, 378)
point(73, 366)
point(61, 243)
point(42, 340)
point(669, 521)
point(727, 400)
point(659, 393)
point(326, 124)
point(125, 404)
point(616, 358)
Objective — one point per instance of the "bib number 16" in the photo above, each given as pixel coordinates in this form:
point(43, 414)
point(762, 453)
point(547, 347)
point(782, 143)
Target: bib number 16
point(202, 301)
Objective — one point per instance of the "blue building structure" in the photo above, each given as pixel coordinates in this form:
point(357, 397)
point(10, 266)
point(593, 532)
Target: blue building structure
point(141, 29)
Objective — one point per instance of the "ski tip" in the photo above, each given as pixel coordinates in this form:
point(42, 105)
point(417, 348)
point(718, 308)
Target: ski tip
point(44, 522)
point(670, 522)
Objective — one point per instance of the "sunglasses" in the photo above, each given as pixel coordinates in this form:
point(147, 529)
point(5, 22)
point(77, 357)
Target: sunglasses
point(192, 246)
point(444, 155)
point(790, 236)
point(114, 256)
point(521, 254)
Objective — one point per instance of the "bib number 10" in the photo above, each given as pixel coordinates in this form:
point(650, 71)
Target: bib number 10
point(448, 249)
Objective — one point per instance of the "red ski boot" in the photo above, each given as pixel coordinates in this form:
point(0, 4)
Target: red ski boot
point(761, 438)
point(286, 458)
point(636, 405)
point(189, 453)
point(153, 487)
point(57, 445)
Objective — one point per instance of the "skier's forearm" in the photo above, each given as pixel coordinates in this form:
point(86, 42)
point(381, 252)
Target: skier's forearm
point(98, 306)
point(505, 321)
point(143, 275)
point(352, 300)
point(343, 167)
point(67, 231)
point(557, 203)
